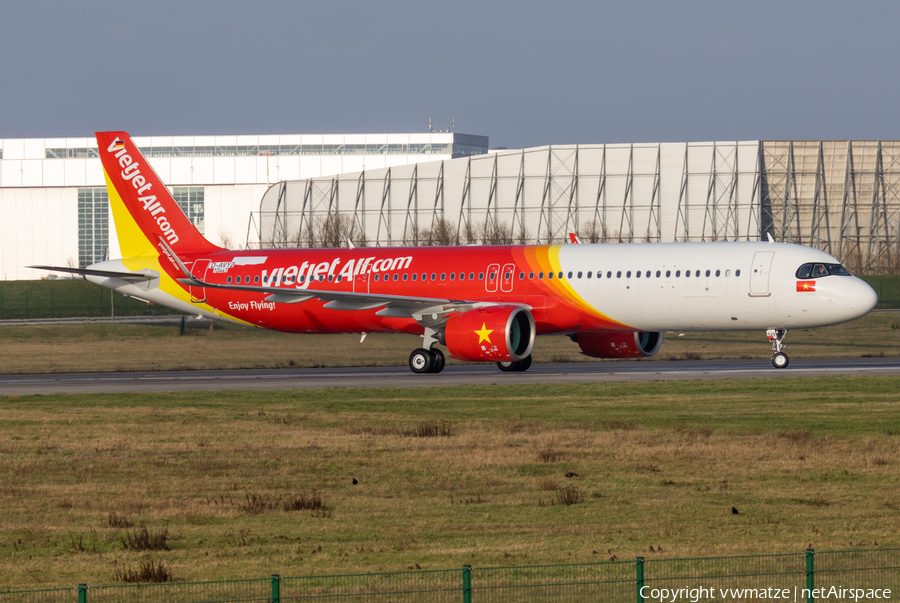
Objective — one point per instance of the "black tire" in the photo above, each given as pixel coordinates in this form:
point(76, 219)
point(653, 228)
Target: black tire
point(420, 361)
point(525, 364)
point(438, 363)
point(516, 366)
point(780, 360)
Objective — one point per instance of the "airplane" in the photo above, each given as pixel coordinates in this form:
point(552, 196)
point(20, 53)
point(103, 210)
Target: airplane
point(483, 303)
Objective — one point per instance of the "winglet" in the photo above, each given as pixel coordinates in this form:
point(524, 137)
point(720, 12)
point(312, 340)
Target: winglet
point(573, 238)
point(769, 235)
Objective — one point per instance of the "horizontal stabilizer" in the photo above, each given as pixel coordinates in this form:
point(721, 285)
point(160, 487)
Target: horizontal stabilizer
point(139, 275)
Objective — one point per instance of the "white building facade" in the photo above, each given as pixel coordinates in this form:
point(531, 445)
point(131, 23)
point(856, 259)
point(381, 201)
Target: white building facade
point(54, 207)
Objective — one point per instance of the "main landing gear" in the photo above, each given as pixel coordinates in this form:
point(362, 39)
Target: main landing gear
point(515, 366)
point(426, 361)
point(779, 358)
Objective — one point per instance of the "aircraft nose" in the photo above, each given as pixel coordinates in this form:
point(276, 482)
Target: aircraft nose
point(863, 298)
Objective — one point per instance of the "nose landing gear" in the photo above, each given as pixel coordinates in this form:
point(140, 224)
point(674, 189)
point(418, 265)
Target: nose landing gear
point(776, 336)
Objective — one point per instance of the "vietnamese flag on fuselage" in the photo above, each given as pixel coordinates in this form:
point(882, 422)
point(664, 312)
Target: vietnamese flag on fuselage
point(806, 286)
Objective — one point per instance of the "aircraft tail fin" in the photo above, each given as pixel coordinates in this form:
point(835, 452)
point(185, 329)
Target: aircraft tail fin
point(144, 211)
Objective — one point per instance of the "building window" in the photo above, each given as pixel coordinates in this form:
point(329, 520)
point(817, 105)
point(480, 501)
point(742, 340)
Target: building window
point(191, 201)
point(93, 225)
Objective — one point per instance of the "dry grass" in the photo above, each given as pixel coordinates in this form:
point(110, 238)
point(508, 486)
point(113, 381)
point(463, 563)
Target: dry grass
point(105, 347)
point(238, 492)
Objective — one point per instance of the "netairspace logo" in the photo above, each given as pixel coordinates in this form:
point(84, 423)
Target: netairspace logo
point(694, 595)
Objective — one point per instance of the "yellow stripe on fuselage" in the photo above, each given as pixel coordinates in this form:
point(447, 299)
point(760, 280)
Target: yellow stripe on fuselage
point(139, 252)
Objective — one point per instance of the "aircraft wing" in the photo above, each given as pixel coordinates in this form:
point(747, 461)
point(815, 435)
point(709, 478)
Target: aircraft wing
point(345, 300)
point(138, 275)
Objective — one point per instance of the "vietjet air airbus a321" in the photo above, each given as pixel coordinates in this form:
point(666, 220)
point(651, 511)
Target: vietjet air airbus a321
point(482, 303)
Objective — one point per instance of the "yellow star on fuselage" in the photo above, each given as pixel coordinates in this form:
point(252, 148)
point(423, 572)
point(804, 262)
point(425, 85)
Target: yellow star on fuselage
point(484, 334)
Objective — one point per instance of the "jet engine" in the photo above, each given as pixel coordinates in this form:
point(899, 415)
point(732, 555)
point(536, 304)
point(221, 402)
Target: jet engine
point(639, 344)
point(491, 334)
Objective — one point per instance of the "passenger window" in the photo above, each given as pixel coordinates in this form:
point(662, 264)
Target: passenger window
point(228, 280)
point(540, 276)
point(737, 272)
point(668, 273)
point(579, 275)
point(415, 275)
point(452, 276)
point(531, 276)
point(687, 274)
point(471, 276)
point(549, 275)
point(396, 276)
point(619, 274)
point(570, 275)
point(443, 275)
point(433, 276)
point(697, 273)
point(462, 276)
point(404, 277)
point(302, 278)
point(628, 274)
point(377, 277)
point(340, 278)
point(589, 274)
point(677, 273)
point(637, 274)
point(331, 277)
point(480, 276)
point(521, 276)
point(490, 276)
point(658, 273)
point(609, 274)
point(560, 275)
point(707, 273)
point(718, 272)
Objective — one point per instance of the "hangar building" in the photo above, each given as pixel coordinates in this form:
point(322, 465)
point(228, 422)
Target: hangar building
point(840, 196)
point(54, 208)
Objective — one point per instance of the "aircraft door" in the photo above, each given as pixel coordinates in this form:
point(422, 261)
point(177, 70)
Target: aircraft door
point(509, 272)
point(361, 283)
point(491, 276)
point(759, 273)
point(198, 270)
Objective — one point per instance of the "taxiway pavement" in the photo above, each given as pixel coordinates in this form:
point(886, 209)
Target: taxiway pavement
point(349, 377)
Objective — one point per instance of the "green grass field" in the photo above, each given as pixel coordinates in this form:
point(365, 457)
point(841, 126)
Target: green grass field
point(807, 462)
point(106, 347)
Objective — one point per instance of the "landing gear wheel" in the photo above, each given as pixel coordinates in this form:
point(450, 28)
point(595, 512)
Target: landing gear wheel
point(780, 360)
point(439, 360)
point(515, 366)
point(421, 361)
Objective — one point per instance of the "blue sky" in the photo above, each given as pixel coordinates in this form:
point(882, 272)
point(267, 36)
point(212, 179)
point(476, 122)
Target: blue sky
point(524, 73)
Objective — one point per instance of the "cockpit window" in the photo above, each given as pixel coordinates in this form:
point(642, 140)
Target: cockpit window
point(807, 271)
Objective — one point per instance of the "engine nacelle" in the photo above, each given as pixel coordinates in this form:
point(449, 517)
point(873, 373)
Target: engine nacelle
point(639, 344)
point(493, 334)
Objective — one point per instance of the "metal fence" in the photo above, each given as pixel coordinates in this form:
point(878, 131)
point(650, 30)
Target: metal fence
point(67, 299)
point(808, 576)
